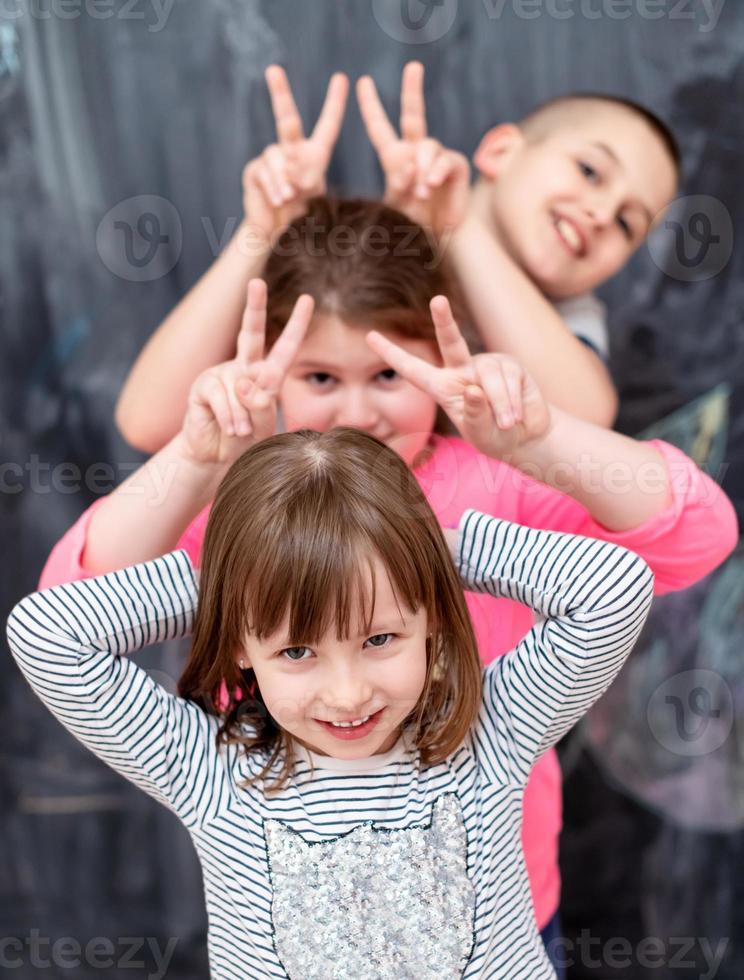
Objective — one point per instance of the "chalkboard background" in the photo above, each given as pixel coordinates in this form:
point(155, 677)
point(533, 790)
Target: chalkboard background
point(112, 111)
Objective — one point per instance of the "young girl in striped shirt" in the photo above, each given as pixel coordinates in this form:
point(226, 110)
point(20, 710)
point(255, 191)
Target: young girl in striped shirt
point(356, 799)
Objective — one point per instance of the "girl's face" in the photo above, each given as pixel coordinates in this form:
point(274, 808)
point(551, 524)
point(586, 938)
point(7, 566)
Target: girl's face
point(378, 676)
point(337, 380)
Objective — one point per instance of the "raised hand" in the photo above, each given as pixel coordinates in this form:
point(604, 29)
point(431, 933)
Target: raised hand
point(277, 184)
point(234, 405)
point(423, 179)
point(492, 401)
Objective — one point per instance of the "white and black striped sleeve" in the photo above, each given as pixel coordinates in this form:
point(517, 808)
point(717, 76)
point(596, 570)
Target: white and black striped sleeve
point(70, 643)
point(591, 599)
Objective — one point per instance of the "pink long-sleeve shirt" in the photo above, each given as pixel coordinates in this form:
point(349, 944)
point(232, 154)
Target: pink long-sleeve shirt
point(684, 542)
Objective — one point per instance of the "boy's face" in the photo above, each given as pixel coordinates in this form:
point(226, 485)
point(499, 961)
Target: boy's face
point(376, 678)
point(572, 207)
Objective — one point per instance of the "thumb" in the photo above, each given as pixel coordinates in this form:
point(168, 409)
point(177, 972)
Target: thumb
point(476, 405)
point(477, 415)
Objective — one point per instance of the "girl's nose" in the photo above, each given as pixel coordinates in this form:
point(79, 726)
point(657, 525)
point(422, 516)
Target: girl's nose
point(358, 410)
point(347, 693)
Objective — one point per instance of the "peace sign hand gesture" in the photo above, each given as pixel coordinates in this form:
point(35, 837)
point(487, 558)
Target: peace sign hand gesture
point(490, 398)
point(424, 179)
point(234, 405)
point(277, 184)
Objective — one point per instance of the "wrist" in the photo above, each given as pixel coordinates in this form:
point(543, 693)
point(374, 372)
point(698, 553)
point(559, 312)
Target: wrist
point(537, 454)
point(200, 475)
point(252, 242)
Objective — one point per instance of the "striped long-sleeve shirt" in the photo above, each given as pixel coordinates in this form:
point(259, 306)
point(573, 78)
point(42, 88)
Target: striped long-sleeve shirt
point(375, 868)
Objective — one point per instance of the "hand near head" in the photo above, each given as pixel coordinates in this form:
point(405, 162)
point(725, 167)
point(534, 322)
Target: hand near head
point(490, 398)
point(423, 179)
point(277, 184)
point(234, 405)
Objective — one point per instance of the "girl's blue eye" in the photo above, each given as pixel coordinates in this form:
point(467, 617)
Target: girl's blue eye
point(388, 374)
point(386, 638)
point(288, 653)
point(588, 171)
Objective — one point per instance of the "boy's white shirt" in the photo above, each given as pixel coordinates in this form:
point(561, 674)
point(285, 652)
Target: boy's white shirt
point(586, 318)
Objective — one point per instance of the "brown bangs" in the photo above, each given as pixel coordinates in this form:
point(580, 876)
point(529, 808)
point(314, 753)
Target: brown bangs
point(316, 572)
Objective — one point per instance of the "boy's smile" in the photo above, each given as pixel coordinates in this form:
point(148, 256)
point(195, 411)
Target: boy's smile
point(572, 206)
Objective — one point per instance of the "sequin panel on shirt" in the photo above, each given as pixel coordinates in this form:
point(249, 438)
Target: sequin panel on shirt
point(376, 903)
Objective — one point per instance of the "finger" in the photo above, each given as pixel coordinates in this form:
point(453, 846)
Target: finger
point(412, 105)
point(276, 161)
point(331, 116)
point(514, 384)
point(252, 336)
point(240, 415)
point(494, 384)
point(285, 349)
point(262, 407)
point(286, 114)
point(477, 410)
point(448, 164)
point(426, 153)
point(379, 128)
point(412, 368)
point(452, 346)
point(400, 170)
point(267, 183)
point(212, 394)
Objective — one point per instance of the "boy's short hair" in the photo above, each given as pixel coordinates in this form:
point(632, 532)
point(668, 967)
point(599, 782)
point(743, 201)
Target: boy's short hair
point(546, 117)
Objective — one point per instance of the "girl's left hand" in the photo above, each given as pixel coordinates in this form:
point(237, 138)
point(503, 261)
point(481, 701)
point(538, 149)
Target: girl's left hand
point(492, 401)
point(426, 181)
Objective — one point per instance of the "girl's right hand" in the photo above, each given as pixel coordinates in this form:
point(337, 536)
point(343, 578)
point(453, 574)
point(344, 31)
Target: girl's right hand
point(277, 184)
point(234, 405)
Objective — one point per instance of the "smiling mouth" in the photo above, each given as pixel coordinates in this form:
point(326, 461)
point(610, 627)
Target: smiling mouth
point(357, 728)
point(570, 236)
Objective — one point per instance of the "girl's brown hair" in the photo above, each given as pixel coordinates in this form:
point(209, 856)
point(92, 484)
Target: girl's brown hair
point(362, 261)
point(293, 531)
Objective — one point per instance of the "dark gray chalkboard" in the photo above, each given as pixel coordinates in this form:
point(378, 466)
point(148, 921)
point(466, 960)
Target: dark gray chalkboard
point(115, 111)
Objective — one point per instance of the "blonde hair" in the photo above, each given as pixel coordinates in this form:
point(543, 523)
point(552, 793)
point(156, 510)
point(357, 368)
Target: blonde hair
point(292, 532)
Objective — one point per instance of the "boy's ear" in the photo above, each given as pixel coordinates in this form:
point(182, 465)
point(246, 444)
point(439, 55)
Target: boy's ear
point(496, 149)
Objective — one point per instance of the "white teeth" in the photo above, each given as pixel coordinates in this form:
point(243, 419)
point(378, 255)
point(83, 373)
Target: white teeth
point(569, 234)
point(350, 724)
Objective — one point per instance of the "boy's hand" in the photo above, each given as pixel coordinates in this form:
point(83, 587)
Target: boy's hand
point(423, 179)
point(234, 405)
point(277, 184)
point(491, 400)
